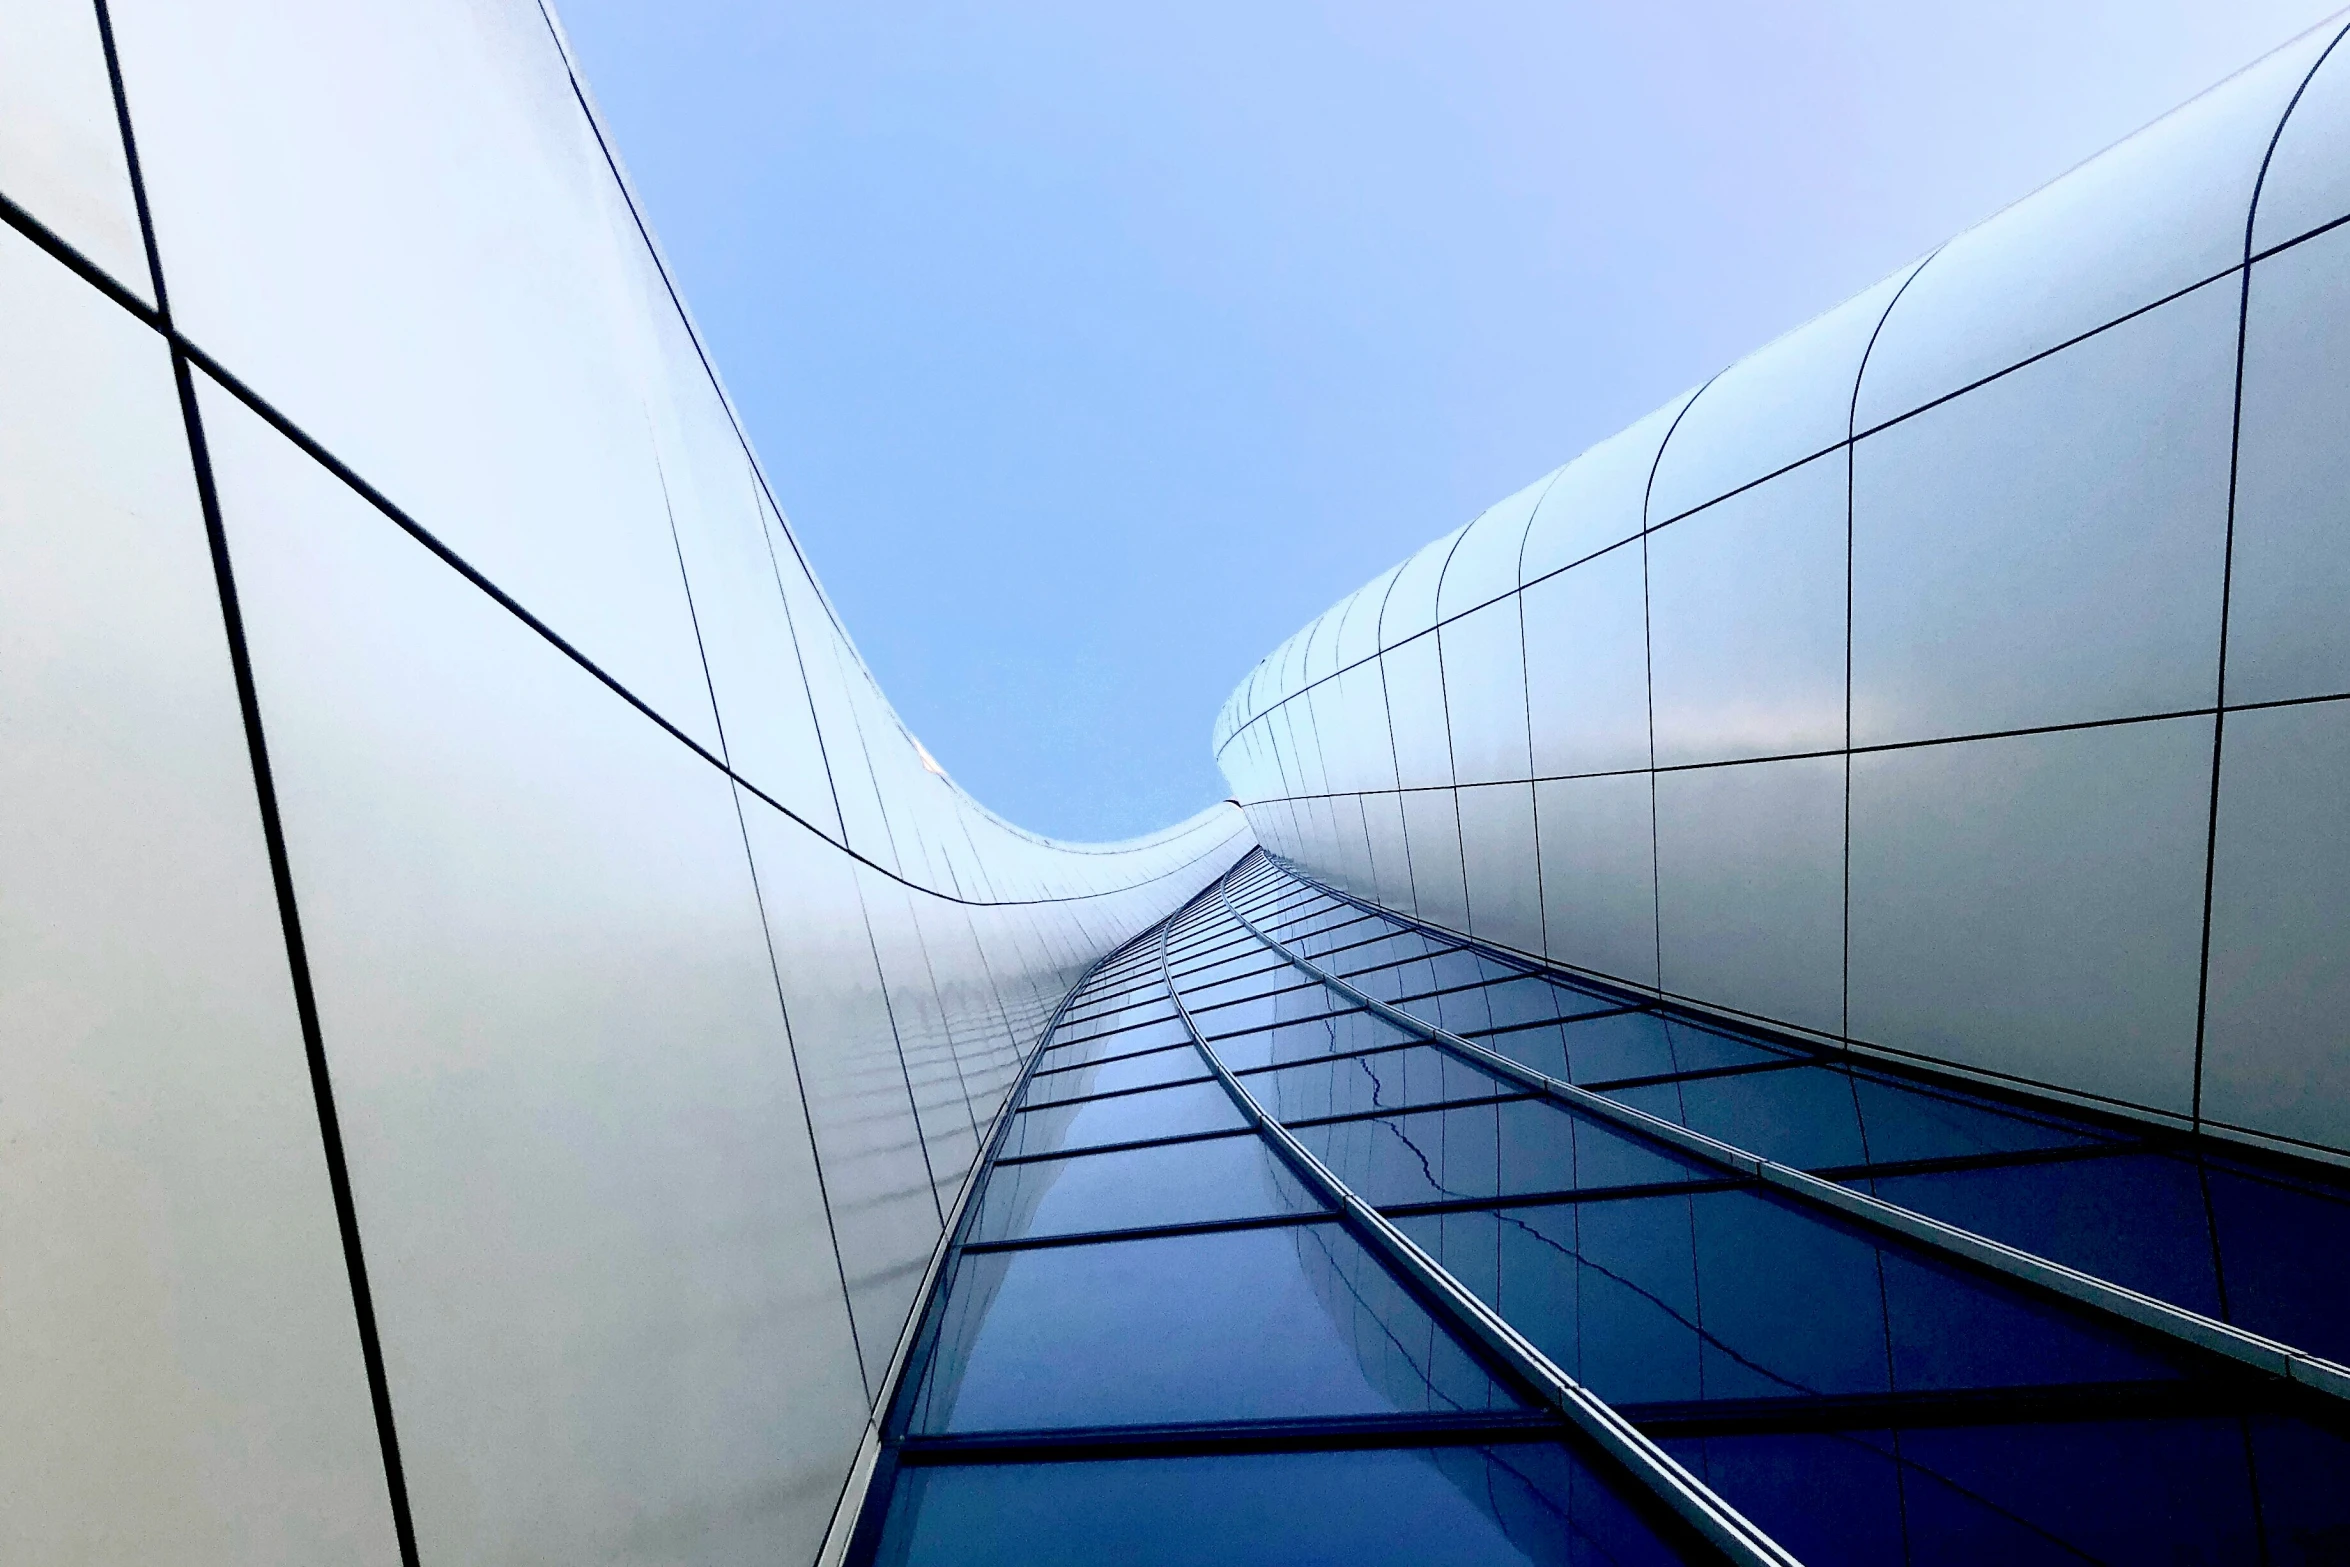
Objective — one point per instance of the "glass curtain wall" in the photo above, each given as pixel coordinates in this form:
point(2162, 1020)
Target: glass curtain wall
point(1162, 1335)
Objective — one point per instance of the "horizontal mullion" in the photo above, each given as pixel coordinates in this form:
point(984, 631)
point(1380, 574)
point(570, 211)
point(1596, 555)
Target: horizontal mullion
point(1563, 1198)
point(1168, 1141)
point(1393, 1111)
point(1263, 1436)
point(1153, 1232)
point(1349, 1010)
point(1695, 1074)
point(1111, 1093)
point(1129, 1055)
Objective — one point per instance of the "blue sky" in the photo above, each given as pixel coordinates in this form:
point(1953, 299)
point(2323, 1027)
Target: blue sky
point(1093, 348)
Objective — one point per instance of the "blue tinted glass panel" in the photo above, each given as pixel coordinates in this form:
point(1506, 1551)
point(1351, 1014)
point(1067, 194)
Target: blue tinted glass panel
point(1289, 1323)
point(1833, 1499)
point(1436, 1507)
point(1520, 1146)
point(2088, 1490)
point(1125, 1042)
point(2135, 1219)
point(1636, 1044)
point(2304, 1502)
point(1738, 1294)
point(1345, 1033)
point(1901, 1122)
point(1272, 979)
point(1167, 1065)
point(2285, 1254)
point(1162, 1112)
point(1953, 1329)
point(1802, 1116)
point(1294, 1006)
point(1182, 1183)
point(1388, 1080)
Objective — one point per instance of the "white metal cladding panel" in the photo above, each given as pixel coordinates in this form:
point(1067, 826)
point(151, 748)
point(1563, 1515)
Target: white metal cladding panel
point(498, 965)
point(1410, 607)
point(2307, 185)
point(2276, 1046)
point(1599, 499)
point(61, 156)
point(2032, 533)
point(1503, 881)
point(596, 1013)
point(1596, 839)
point(1415, 713)
point(1772, 409)
point(1586, 631)
point(1750, 887)
point(1432, 837)
point(1485, 565)
point(2157, 213)
point(1746, 622)
point(2049, 547)
point(2287, 634)
point(2032, 905)
point(177, 1301)
point(1485, 694)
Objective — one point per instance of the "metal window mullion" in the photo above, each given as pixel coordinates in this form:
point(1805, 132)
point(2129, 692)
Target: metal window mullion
point(1641, 1460)
point(2101, 1295)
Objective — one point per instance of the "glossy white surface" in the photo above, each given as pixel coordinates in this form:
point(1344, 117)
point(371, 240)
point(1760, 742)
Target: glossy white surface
point(2033, 898)
point(1750, 888)
point(2287, 634)
point(61, 156)
point(1746, 622)
point(1983, 608)
point(2276, 1048)
point(176, 1331)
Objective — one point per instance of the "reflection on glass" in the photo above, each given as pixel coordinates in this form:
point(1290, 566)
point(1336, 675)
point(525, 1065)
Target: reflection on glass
point(1388, 1080)
point(1183, 1183)
point(1128, 1118)
point(2112, 1490)
point(1336, 1034)
point(1167, 1064)
point(1735, 1294)
point(1435, 1507)
point(1290, 1323)
point(1516, 1147)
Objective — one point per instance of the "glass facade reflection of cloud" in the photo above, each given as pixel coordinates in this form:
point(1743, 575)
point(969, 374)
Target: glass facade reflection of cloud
point(1775, 997)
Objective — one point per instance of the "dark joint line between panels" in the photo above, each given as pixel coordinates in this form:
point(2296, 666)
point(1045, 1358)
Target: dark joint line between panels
point(32, 229)
point(1169, 1141)
point(1505, 1204)
point(1038, 1105)
point(1287, 1436)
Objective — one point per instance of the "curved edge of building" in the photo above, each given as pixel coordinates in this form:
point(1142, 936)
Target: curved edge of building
point(1962, 676)
point(499, 1008)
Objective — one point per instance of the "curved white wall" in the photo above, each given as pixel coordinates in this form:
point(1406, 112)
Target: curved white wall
point(452, 847)
point(1965, 674)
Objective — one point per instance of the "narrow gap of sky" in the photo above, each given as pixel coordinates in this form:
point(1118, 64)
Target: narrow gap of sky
point(1092, 349)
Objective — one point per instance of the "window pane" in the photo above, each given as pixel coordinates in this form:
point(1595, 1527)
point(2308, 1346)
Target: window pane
point(1129, 1118)
point(1437, 1507)
point(1278, 1324)
point(1389, 1080)
point(1521, 1146)
point(1167, 1064)
point(1183, 1183)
